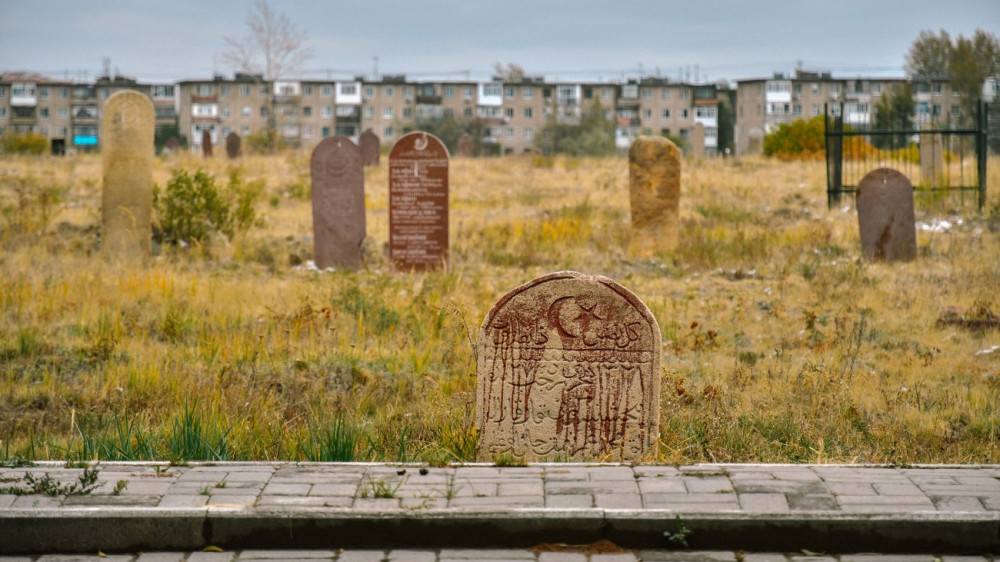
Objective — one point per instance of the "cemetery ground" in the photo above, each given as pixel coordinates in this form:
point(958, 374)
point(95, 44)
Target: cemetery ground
point(780, 343)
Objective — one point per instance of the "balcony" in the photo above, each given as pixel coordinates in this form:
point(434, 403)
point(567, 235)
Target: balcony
point(23, 115)
point(428, 100)
point(195, 98)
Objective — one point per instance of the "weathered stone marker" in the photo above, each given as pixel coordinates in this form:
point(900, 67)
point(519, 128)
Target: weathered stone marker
point(931, 157)
point(127, 199)
point(173, 146)
point(233, 146)
point(886, 217)
point(466, 148)
point(206, 144)
point(655, 185)
point(370, 148)
point(338, 201)
point(568, 368)
point(698, 140)
point(418, 203)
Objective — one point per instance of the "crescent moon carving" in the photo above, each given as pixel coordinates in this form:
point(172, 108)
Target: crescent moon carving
point(555, 317)
point(421, 142)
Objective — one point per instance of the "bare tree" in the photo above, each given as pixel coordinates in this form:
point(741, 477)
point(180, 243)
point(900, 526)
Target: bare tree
point(511, 73)
point(272, 46)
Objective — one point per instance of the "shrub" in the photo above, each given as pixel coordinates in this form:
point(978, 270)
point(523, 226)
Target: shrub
point(192, 208)
point(29, 143)
point(799, 140)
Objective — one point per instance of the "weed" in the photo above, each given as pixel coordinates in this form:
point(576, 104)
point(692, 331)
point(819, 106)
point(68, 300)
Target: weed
point(679, 537)
point(381, 488)
point(120, 487)
point(48, 486)
point(509, 460)
point(337, 442)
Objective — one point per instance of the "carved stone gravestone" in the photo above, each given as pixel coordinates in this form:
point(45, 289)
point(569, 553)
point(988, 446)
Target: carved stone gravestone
point(654, 193)
point(127, 199)
point(338, 200)
point(698, 141)
point(370, 148)
point(233, 148)
point(931, 157)
point(173, 145)
point(418, 203)
point(206, 144)
point(886, 216)
point(466, 147)
point(568, 368)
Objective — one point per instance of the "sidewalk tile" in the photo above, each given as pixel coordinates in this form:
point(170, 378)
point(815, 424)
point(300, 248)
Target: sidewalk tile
point(764, 503)
point(570, 501)
point(958, 503)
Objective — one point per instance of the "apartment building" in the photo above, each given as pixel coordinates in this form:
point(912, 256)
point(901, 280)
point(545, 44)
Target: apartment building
point(764, 104)
point(70, 113)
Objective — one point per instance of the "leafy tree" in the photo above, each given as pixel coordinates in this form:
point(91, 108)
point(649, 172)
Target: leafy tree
point(964, 62)
point(894, 111)
point(593, 136)
point(727, 122)
point(192, 208)
point(799, 140)
point(449, 129)
point(272, 48)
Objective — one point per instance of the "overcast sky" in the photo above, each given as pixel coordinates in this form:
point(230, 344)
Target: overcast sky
point(563, 40)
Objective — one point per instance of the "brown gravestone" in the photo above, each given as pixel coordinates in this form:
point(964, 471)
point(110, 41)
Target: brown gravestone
point(654, 192)
point(173, 145)
point(206, 144)
point(886, 216)
point(233, 148)
point(338, 199)
point(931, 157)
point(418, 203)
point(127, 199)
point(370, 148)
point(568, 368)
point(465, 146)
point(698, 141)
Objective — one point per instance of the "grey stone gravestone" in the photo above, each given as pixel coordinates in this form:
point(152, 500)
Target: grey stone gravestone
point(931, 157)
point(886, 216)
point(466, 147)
point(233, 146)
point(418, 203)
point(127, 199)
point(338, 200)
point(568, 368)
point(370, 148)
point(698, 141)
point(206, 144)
point(654, 193)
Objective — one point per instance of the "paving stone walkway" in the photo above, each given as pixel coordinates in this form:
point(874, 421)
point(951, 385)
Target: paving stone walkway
point(360, 505)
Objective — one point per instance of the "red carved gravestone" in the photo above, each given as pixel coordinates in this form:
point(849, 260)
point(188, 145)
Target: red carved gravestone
point(568, 368)
point(370, 148)
point(418, 203)
point(338, 199)
point(206, 144)
point(466, 147)
point(886, 217)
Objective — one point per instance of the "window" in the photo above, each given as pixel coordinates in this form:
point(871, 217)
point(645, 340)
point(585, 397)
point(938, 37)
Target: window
point(307, 111)
point(43, 92)
point(449, 91)
point(814, 88)
point(508, 112)
point(64, 93)
point(684, 94)
point(369, 112)
point(245, 111)
point(467, 92)
point(328, 90)
point(225, 131)
point(665, 113)
point(665, 94)
point(508, 132)
point(307, 132)
point(935, 110)
point(449, 112)
point(389, 92)
point(684, 112)
point(647, 113)
point(529, 113)
point(467, 112)
point(204, 109)
point(63, 113)
point(797, 109)
point(797, 88)
point(938, 89)
point(225, 111)
point(244, 90)
point(244, 130)
point(263, 111)
point(387, 132)
point(3, 91)
point(204, 89)
point(646, 93)
point(307, 91)
point(407, 112)
point(815, 110)
point(508, 92)
point(835, 89)
point(43, 113)
point(388, 113)
point(877, 89)
point(327, 112)
point(527, 92)
point(223, 89)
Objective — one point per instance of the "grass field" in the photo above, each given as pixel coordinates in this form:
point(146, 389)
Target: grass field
point(779, 343)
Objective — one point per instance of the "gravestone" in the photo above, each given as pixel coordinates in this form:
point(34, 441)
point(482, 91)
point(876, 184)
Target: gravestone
point(206, 144)
point(338, 200)
point(698, 141)
point(370, 148)
point(466, 147)
point(127, 152)
point(886, 216)
point(173, 145)
point(233, 146)
point(568, 368)
point(418, 203)
point(654, 192)
point(931, 157)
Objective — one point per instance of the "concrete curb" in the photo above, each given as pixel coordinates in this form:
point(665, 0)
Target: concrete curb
point(134, 530)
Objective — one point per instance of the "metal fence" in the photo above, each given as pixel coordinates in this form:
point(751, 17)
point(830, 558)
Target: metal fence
point(935, 154)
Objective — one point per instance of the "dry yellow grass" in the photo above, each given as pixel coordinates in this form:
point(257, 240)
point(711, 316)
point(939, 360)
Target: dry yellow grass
point(780, 344)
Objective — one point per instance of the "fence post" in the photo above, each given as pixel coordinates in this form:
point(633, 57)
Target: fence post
point(834, 157)
point(982, 126)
